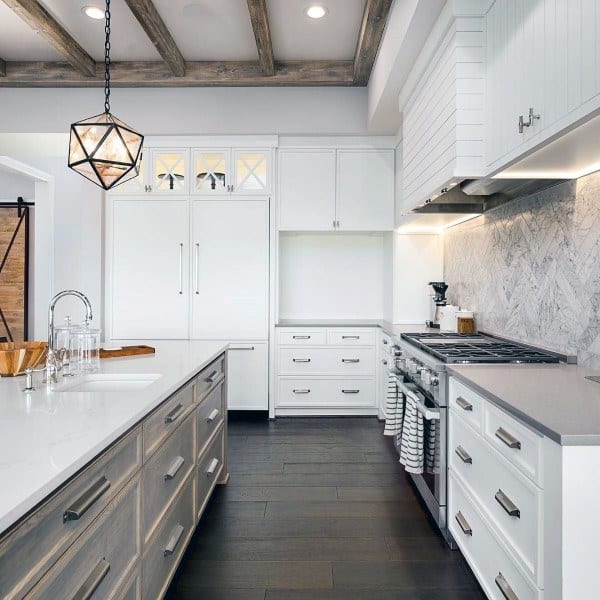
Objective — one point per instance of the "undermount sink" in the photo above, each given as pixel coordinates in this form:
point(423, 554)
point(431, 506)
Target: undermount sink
point(107, 382)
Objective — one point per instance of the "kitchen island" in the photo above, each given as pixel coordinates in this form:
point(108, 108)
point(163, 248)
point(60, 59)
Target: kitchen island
point(146, 453)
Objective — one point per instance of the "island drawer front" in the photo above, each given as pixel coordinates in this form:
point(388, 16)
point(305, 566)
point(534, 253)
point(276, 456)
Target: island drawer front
point(102, 557)
point(163, 552)
point(40, 540)
point(327, 361)
point(164, 473)
point(210, 414)
point(304, 336)
point(132, 589)
point(526, 450)
point(165, 419)
point(210, 467)
point(486, 556)
point(487, 475)
point(326, 393)
point(208, 377)
point(467, 403)
point(359, 336)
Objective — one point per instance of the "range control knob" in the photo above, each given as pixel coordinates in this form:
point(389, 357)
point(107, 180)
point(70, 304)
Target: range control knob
point(435, 380)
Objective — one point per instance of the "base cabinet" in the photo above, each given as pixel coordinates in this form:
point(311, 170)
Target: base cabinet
point(248, 376)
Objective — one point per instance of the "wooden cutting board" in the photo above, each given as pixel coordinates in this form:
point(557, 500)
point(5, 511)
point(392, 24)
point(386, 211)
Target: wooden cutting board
point(126, 351)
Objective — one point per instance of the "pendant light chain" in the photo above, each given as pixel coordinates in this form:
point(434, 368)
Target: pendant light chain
point(107, 59)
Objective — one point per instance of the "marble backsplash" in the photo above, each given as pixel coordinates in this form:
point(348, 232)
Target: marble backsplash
point(531, 269)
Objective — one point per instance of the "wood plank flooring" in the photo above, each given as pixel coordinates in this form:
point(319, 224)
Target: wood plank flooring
point(317, 509)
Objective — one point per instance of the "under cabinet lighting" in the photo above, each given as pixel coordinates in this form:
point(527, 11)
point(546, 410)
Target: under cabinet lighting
point(93, 12)
point(316, 11)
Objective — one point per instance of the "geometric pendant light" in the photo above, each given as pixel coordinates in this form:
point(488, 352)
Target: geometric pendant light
point(102, 148)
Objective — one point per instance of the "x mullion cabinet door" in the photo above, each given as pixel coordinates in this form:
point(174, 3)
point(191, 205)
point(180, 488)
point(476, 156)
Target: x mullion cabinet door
point(170, 171)
point(211, 172)
point(252, 168)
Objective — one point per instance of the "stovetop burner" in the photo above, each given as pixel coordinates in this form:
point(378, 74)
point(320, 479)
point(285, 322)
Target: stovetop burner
point(476, 348)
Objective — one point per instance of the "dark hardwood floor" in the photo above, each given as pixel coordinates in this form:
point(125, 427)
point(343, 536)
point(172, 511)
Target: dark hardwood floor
point(317, 509)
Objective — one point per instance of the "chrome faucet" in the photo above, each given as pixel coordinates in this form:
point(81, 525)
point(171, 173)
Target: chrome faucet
point(52, 363)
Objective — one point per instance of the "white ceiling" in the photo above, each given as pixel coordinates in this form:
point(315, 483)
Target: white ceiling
point(203, 30)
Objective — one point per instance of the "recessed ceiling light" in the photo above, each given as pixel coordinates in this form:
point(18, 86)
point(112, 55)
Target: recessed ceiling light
point(93, 12)
point(316, 11)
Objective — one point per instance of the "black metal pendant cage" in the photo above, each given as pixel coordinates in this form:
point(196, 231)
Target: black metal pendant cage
point(105, 150)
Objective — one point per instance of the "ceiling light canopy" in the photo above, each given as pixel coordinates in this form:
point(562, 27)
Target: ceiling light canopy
point(102, 148)
point(316, 11)
point(93, 12)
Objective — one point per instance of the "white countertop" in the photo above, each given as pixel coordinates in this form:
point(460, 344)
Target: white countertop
point(390, 328)
point(47, 436)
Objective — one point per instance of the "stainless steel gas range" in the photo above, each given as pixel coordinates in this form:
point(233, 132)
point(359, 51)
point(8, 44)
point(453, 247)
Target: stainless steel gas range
point(421, 360)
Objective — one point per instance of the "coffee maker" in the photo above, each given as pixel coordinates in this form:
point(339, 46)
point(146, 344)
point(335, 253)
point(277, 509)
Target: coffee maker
point(438, 299)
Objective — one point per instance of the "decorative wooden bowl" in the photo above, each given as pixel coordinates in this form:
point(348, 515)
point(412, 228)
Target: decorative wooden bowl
point(15, 357)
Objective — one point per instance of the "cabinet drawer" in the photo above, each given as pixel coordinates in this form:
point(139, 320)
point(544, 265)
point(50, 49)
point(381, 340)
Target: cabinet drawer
point(164, 550)
point(468, 404)
point(210, 415)
point(499, 487)
point(165, 471)
point(359, 336)
point(41, 539)
point(304, 336)
point(521, 446)
point(102, 557)
point(166, 417)
point(326, 393)
point(210, 467)
point(484, 553)
point(207, 378)
point(132, 590)
point(327, 361)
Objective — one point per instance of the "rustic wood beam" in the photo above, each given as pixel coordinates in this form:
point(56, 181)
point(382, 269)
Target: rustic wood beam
point(262, 34)
point(2, 68)
point(198, 74)
point(42, 22)
point(147, 15)
point(371, 30)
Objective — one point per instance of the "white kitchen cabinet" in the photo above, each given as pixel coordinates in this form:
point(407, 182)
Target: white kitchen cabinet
point(365, 190)
point(252, 171)
point(230, 269)
point(247, 384)
point(169, 171)
point(306, 189)
point(149, 269)
point(211, 171)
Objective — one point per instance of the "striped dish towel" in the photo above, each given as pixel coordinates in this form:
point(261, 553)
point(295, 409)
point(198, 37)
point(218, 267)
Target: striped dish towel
point(394, 407)
point(412, 448)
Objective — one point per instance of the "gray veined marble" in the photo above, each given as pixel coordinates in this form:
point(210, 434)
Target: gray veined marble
point(531, 269)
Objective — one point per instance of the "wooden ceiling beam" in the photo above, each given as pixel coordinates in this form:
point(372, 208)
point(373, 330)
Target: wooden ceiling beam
point(262, 34)
point(371, 31)
point(42, 22)
point(2, 68)
point(156, 30)
point(198, 74)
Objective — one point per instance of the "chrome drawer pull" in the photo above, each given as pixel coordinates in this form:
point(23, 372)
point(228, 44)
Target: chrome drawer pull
point(351, 337)
point(86, 500)
point(463, 455)
point(301, 360)
point(213, 415)
point(301, 391)
point(385, 342)
point(93, 581)
point(503, 586)
point(464, 404)
point(350, 360)
point(507, 504)
point(241, 348)
point(174, 414)
point(301, 337)
point(463, 523)
point(173, 540)
point(177, 464)
point(212, 377)
point(350, 391)
point(214, 463)
point(385, 362)
point(509, 440)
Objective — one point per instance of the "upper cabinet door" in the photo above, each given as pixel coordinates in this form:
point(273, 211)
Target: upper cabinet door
point(230, 268)
point(211, 171)
point(170, 171)
point(136, 186)
point(252, 171)
point(365, 190)
point(306, 190)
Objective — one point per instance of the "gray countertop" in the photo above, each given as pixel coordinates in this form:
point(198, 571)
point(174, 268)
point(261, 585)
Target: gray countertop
point(555, 400)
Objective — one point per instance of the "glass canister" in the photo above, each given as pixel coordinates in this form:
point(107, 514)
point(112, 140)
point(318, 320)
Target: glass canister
point(86, 346)
point(63, 345)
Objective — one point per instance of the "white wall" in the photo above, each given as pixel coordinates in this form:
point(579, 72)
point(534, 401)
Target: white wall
point(197, 111)
point(333, 275)
point(13, 185)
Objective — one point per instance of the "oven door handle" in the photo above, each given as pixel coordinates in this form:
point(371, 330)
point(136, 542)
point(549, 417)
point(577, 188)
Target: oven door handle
point(429, 414)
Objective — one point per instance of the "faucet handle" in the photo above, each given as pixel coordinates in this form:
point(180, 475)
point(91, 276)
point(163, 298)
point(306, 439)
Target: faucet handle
point(29, 380)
